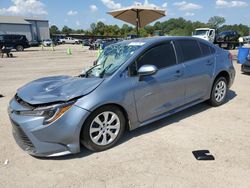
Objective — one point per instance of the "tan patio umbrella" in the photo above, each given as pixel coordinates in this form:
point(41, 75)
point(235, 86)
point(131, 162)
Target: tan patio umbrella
point(138, 15)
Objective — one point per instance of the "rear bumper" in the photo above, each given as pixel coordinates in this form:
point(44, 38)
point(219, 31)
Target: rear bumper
point(58, 138)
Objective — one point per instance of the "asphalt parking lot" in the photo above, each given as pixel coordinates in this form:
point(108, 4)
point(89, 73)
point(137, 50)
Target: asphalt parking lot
point(157, 155)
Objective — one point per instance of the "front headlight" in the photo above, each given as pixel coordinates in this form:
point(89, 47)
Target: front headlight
point(50, 113)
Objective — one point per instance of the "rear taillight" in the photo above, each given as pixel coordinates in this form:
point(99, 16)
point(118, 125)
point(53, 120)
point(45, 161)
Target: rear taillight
point(230, 56)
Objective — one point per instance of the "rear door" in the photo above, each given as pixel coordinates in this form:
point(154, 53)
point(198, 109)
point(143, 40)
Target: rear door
point(164, 91)
point(199, 62)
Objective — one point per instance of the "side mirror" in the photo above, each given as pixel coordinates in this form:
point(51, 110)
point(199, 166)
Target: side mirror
point(147, 70)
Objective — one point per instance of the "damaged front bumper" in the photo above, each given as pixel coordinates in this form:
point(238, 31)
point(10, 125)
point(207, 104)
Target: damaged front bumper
point(58, 138)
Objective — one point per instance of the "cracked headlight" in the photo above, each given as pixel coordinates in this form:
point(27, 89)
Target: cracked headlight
point(50, 113)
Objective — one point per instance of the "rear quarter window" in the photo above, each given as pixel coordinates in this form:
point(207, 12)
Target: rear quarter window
point(206, 49)
point(190, 49)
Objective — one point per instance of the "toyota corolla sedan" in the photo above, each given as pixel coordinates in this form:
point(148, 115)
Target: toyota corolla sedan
point(134, 83)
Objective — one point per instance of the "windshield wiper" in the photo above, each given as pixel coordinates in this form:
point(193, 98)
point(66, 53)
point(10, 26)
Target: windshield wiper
point(104, 70)
point(86, 74)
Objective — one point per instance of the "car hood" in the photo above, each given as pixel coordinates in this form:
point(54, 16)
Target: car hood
point(57, 89)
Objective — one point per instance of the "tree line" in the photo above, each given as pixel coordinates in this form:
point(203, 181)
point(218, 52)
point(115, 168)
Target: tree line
point(171, 27)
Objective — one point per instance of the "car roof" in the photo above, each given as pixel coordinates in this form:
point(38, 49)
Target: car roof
point(202, 29)
point(12, 35)
point(153, 40)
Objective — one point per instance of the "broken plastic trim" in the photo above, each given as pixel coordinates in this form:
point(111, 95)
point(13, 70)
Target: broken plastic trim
point(203, 155)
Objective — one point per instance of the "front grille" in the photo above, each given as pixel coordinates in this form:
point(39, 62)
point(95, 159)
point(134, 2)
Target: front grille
point(22, 139)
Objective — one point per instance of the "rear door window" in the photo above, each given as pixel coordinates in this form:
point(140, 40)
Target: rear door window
point(190, 49)
point(161, 56)
point(206, 49)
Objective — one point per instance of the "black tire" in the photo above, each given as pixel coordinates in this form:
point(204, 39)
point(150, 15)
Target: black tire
point(19, 48)
point(231, 47)
point(85, 133)
point(213, 101)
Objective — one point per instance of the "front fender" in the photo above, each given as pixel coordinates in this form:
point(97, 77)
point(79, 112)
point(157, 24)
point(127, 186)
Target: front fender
point(119, 92)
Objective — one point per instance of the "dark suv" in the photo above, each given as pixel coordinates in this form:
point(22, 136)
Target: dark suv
point(227, 36)
point(18, 42)
point(228, 39)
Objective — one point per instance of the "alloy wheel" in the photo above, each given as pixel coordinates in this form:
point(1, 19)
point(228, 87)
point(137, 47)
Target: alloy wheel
point(105, 128)
point(220, 91)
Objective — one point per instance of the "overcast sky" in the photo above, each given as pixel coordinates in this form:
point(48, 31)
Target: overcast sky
point(79, 14)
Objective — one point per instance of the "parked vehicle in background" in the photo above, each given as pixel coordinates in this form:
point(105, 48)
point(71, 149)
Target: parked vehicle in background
point(56, 39)
point(103, 43)
point(246, 40)
point(69, 40)
point(47, 42)
point(132, 36)
point(86, 42)
point(135, 83)
point(34, 43)
point(245, 68)
point(18, 42)
point(228, 39)
point(205, 33)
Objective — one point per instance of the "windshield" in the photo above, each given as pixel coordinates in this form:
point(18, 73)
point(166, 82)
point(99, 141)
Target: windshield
point(112, 58)
point(200, 32)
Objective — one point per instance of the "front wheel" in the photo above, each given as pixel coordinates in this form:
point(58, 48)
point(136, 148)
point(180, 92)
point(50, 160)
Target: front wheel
point(103, 128)
point(19, 48)
point(219, 92)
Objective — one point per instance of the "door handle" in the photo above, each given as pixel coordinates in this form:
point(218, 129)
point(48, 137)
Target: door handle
point(209, 62)
point(178, 73)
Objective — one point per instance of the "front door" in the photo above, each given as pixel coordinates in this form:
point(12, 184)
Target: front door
point(159, 93)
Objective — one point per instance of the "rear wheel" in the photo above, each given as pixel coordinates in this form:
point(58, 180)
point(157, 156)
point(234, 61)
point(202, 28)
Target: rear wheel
point(219, 92)
point(103, 128)
point(19, 48)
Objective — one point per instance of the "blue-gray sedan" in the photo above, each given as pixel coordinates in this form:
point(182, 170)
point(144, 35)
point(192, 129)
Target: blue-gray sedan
point(133, 83)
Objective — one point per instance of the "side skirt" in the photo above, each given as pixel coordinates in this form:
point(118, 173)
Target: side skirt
point(171, 112)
